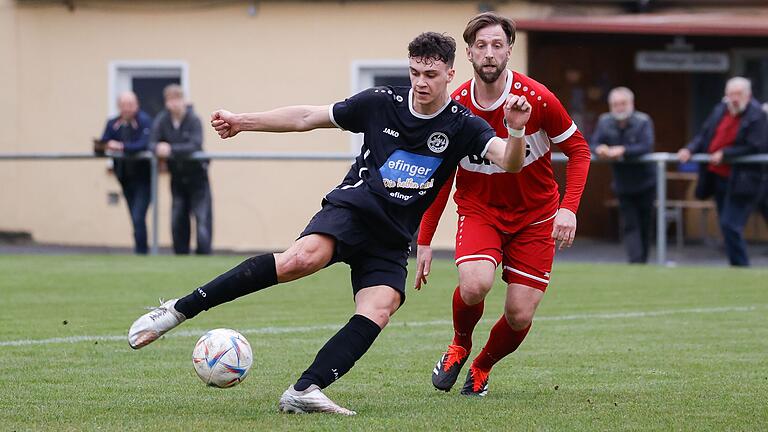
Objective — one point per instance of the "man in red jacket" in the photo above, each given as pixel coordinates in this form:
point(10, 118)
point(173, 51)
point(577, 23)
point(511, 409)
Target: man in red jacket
point(505, 219)
point(736, 127)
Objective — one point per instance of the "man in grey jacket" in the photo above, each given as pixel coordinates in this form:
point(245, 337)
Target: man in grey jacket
point(177, 133)
point(620, 135)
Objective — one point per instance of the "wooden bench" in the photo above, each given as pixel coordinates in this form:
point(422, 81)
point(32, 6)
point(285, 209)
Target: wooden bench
point(675, 214)
point(676, 209)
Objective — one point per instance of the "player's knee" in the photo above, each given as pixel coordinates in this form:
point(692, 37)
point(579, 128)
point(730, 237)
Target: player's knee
point(378, 315)
point(377, 305)
point(517, 318)
point(381, 317)
point(473, 291)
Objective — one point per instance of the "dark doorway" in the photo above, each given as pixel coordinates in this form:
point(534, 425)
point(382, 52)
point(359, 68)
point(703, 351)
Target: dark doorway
point(150, 92)
point(753, 64)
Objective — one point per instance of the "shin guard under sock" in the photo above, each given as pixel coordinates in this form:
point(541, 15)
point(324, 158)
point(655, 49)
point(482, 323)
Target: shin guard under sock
point(251, 275)
point(502, 341)
point(465, 318)
point(340, 353)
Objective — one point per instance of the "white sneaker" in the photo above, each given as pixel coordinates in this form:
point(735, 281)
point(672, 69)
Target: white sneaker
point(308, 401)
point(152, 325)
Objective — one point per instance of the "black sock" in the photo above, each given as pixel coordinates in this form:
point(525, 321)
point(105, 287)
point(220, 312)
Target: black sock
point(251, 275)
point(340, 353)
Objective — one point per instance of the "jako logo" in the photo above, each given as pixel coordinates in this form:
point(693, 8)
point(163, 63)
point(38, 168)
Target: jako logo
point(389, 131)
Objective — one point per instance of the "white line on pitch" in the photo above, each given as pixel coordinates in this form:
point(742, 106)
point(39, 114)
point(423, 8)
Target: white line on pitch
point(396, 324)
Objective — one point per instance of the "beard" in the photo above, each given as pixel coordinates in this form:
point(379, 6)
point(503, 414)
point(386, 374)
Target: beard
point(621, 116)
point(735, 108)
point(488, 77)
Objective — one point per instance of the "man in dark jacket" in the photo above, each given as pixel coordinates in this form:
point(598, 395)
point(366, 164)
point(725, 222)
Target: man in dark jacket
point(622, 135)
point(736, 127)
point(129, 133)
point(177, 133)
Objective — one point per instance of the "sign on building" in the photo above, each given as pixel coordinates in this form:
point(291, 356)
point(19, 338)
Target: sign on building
point(669, 61)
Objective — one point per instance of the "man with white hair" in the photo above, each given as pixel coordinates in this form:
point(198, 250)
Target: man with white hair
point(736, 127)
point(624, 134)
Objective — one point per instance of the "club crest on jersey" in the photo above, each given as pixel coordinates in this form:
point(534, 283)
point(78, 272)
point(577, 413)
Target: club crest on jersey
point(438, 142)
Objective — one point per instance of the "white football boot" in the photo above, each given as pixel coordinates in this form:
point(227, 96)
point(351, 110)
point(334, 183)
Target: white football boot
point(310, 400)
point(150, 326)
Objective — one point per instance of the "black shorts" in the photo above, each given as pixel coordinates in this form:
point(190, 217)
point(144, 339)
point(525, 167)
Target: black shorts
point(372, 262)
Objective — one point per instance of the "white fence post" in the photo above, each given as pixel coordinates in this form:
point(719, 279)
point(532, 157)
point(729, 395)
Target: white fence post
point(154, 185)
point(661, 212)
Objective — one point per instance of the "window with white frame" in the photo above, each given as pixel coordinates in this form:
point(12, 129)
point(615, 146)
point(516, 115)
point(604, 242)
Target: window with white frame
point(146, 78)
point(373, 73)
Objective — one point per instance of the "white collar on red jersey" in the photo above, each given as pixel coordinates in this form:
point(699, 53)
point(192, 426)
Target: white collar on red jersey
point(500, 100)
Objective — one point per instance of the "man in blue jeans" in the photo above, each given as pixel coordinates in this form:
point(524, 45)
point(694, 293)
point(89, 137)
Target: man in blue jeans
point(736, 127)
point(129, 133)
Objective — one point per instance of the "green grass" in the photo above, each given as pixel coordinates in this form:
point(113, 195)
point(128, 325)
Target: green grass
point(697, 361)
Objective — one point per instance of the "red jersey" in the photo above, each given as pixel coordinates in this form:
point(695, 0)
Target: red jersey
point(515, 200)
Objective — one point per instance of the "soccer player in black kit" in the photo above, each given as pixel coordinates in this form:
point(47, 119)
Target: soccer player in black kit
point(413, 139)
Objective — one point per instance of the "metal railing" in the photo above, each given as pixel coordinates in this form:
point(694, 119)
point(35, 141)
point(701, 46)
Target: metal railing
point(660, 159)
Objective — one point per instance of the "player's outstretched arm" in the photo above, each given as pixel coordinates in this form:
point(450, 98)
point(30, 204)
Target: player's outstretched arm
point(299, 118)
point(510, 154)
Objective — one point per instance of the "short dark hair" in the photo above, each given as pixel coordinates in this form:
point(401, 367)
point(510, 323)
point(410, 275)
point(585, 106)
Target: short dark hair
point(433, 46)
point(487, 19)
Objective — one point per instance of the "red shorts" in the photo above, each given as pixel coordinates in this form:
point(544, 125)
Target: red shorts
point(526, 255)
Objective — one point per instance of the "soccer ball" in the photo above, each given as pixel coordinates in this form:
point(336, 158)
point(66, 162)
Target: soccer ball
point(222, 358)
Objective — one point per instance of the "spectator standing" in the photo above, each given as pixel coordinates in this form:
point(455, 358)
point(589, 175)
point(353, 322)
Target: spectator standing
point(177, 133)
point(621, 135)
point(128, 133)
point(736, 127)
point(763, 201)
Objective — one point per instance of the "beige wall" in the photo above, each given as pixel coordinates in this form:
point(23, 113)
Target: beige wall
point(54, 98)
point(9, 194)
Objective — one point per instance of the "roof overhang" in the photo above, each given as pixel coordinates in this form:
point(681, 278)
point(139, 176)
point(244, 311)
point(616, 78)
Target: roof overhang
point(710, 24)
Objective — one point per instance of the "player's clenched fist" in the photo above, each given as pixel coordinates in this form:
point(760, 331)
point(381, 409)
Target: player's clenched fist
point(517, 111)
point(225, 123)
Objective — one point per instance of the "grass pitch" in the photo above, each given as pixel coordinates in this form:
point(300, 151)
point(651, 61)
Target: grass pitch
point(613, 347)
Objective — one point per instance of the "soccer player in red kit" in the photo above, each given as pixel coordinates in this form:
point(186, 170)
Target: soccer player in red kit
point(512, 220)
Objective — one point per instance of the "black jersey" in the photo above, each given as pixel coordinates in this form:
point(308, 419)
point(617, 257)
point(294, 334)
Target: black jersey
point(405, 158)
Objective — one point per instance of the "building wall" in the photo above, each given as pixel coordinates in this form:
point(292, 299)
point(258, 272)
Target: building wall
point(9, 194)
point(55, 98)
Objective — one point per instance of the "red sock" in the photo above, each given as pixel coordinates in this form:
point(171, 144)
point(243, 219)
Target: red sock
point(502, 341)
point(465, 318)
